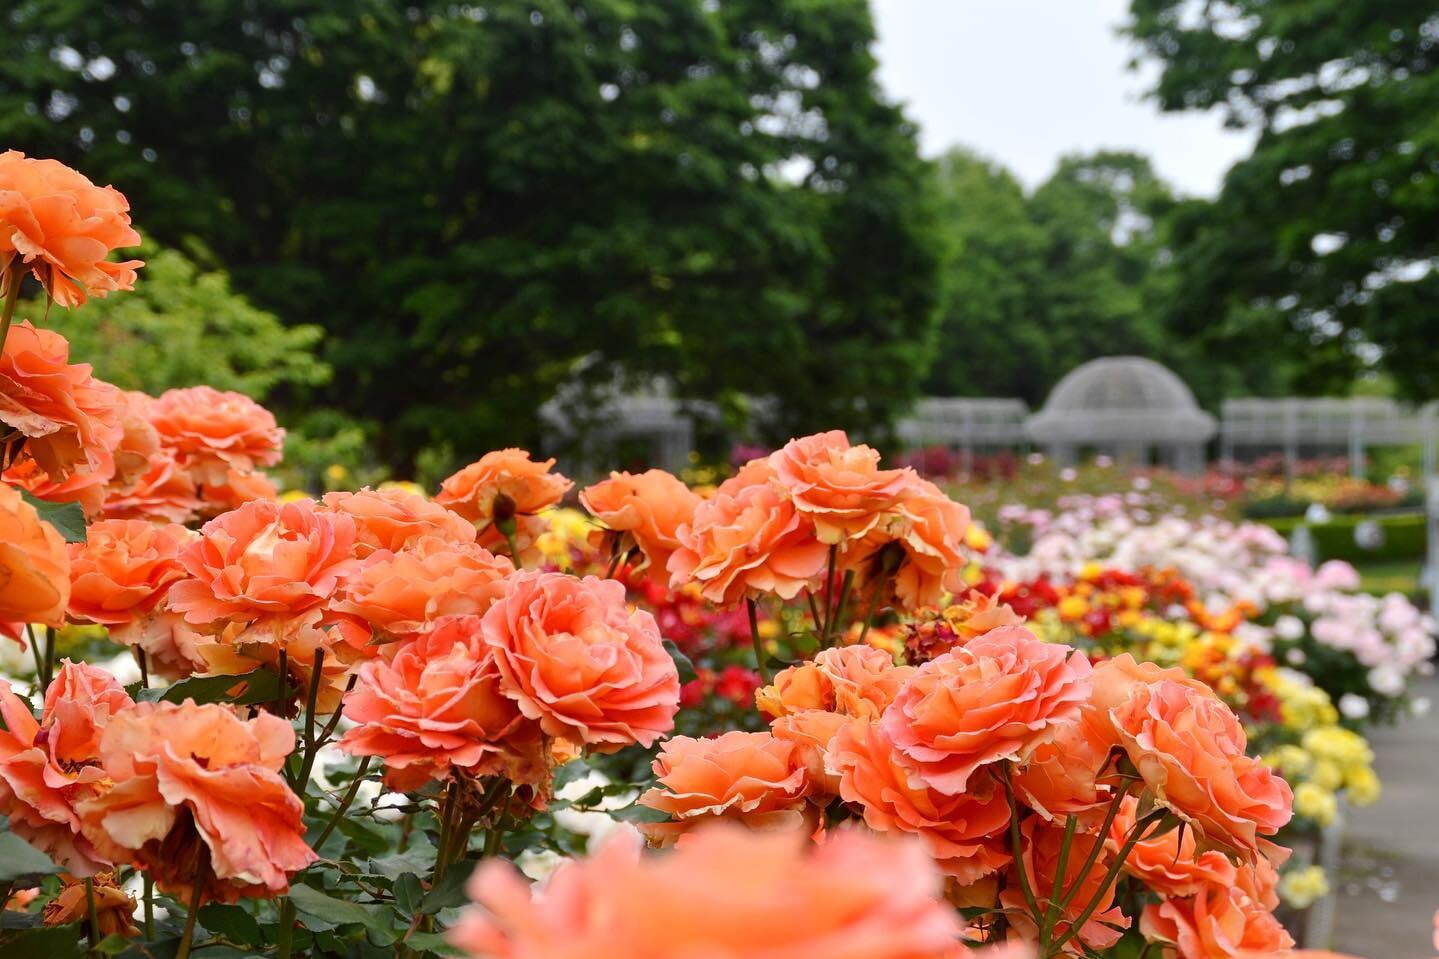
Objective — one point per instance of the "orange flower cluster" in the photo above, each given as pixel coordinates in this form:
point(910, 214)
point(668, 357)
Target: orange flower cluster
point(1004, 726)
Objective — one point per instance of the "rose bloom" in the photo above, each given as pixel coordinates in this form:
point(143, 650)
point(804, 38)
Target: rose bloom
point(964, 833)
point(212, 432)
point(164, 493)
point(501, 485)
point(752, 778)
point(747, 542)
point(123, 569)
point(839, 486)
point(857, 681)
point(725, 893)
point(61, 228)
point(64, 413)
point(1041, 843)
point(650, 506)
point(197, 790)
point(1061, 776)
point(995, 699)
point(1190, 748)
point(34, 565)
point(1221, 921)
point(917, 545)
point(1171, 863)
point(407, 591)
point(576, 658)
point(114, 909)
point(139, 440)
point(263, 559)
point(46, 767)
point(237, 488)
point(437, 710)
point(392, 518)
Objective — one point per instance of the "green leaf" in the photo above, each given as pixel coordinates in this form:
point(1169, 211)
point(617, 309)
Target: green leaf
point(67, 518)
point(52, 942)
point(638, 813)
point(312, 902)
point(408, 893)
point(112, 945)
point(232, 922)
point(20, 860)
point(682, 662)
point(260, 686)
point(368, 840)
point(450, 890)
point(418, 857)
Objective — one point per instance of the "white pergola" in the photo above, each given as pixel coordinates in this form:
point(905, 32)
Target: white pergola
point(966, 423)
point(661, 422)
point(1129, 407)
point(1353, 424)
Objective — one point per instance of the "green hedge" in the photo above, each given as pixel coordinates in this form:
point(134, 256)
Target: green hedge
point(1404, 537)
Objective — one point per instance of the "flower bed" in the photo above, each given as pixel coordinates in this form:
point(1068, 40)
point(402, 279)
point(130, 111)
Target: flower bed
point(846, 721)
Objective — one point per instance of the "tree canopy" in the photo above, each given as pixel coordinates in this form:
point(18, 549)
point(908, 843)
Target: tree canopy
point(472, 199)
point(1323, 242)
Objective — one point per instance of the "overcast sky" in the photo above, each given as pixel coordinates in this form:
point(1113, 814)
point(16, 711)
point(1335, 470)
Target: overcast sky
point(1025, 81)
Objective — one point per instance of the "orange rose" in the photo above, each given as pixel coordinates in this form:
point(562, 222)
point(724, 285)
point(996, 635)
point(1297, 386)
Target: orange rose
point(1041, 844)
point(1061, 777)
point(213, 432)
point(198, 791)
point(437, 709)
point(49, 766)
point(746, 543)
point(61, 227)
point(578, 660)
point(163, 493)
point(1190, 749)
point(500, 486)
point(917, 544)
point(123, 569)
point(857, 681)
point(114, 909)
point(1170, 863)
point(34, 566)
point(409, 590)
point(839, 486)
point(650, 506)
point(68, 417)
point(995, 699)
point(1220, 921)
point(264, 559)
point(964, 833)
point(392, 518)
point(725, 892)
point(752, 778)
point(139, 440)
point(1114, 679)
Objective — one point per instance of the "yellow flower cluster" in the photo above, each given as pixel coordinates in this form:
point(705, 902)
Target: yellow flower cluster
point(568, 529)
point(1323, 757)
point(1302, 887)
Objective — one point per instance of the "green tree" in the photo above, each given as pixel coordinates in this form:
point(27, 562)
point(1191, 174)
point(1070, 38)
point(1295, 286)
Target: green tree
point(1322, 243)
point(1034, 285)
point(473, 199)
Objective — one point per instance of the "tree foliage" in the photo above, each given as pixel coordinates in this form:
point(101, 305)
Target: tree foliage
point(1035, 284)
point(471, 199)
point(1323, 242)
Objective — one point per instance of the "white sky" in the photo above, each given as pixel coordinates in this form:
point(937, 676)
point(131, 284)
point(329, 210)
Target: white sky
point(1025, 81)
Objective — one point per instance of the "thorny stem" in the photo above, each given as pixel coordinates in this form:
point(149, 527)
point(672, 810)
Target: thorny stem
point(149, 907)
point(1051, 912)
point(872, 608)
point(1110, 876)
point(285, 936)
point(188, 933)
point(12, 297)
point(91, 917)
point(1016, 841)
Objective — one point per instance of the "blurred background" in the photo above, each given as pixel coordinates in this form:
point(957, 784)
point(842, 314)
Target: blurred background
point(1035, 248)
